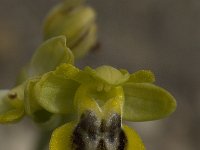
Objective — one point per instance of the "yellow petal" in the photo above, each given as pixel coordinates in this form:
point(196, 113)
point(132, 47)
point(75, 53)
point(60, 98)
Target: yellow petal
point(61, 137)
point(134, 141)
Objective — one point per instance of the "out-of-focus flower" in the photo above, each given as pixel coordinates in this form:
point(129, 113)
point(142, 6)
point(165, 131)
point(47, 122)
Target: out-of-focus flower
point(76, 21)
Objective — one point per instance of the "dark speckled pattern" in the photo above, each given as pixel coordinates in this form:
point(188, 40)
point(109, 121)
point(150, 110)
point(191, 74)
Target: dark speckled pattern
point(93, 133)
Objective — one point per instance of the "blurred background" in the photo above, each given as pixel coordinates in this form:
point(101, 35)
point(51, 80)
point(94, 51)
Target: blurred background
point(163, 36)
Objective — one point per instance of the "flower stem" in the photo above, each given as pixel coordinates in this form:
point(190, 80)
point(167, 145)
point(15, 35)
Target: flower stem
point(43, 140)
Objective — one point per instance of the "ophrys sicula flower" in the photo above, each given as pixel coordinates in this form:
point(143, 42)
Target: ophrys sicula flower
point(91, 102)
point(103, 99)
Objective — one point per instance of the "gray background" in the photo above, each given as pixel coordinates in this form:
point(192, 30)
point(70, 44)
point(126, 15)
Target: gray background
point(163, 36)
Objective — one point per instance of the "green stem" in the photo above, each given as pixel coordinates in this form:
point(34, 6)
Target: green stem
point(43, 140)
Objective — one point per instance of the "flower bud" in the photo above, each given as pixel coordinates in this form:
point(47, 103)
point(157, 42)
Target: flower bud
point(74, 20)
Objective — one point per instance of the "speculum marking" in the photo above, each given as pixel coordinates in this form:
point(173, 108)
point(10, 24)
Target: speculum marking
point(92, 133)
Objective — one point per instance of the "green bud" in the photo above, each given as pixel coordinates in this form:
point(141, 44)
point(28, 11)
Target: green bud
point(76, 22)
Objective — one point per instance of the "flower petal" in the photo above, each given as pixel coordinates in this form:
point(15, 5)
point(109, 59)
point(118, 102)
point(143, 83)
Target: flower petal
point(134, 141)
point(61, 137)
point(11, 105)
point(31, 104)
point(49, 55)
point(144, 101)
point(108, 74)
point(42, 117)
point(142, 76)
point(55, 90)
